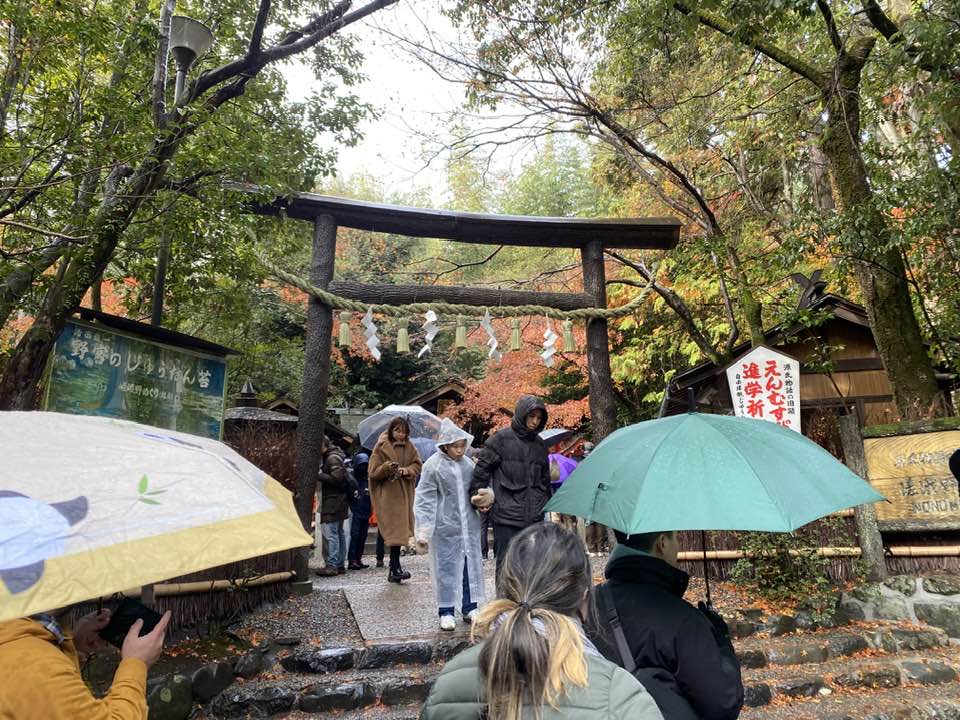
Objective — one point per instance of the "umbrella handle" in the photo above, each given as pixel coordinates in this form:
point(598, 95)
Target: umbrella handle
point(706, 574)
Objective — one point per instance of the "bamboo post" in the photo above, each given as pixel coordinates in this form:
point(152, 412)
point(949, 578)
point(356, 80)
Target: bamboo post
point(316, 375)
point(865, 516)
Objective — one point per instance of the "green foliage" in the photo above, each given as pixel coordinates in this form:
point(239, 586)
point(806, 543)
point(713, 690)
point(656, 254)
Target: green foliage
point(786, 567)
point(564, 382)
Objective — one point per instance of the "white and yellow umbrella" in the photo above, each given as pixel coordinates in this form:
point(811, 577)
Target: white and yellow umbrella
point(91, 506)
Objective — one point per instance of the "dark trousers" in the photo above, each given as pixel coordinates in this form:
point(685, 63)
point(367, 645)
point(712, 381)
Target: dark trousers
point(502, 535)
point(466, 605)
point(359, 527)
point(395, 559)
point(381, 548)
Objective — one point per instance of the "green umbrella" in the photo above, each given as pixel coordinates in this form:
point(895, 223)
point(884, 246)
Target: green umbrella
point(708, 472)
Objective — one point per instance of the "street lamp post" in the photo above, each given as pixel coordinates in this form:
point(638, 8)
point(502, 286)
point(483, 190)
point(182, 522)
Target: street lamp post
point(189, 39)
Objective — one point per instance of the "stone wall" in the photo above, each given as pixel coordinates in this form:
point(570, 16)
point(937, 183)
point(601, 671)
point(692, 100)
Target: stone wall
point(934, 600)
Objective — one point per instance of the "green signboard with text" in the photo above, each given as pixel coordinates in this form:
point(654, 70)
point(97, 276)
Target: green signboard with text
point(99, 371)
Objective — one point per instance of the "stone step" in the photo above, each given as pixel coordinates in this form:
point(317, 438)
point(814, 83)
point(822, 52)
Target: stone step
point(821, 646)
point(355, 689)
point(937, 702)
point(937, 666)
point(325, 661)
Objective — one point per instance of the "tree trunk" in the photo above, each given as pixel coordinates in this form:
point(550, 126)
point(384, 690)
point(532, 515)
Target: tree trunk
point(20, 384)
point(603, 403)
point(865, 516)
point(879, 267)
point(819, 180)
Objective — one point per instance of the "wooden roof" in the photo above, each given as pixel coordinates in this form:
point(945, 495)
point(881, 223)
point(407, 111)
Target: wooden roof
point(842, 309)
point(155, 333)
point(660, 233)
point(453, 384)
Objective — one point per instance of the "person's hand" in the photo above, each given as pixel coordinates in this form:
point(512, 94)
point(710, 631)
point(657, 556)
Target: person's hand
point(719, 624)
point(483, 500)
point(148, 647)
point(86, 631)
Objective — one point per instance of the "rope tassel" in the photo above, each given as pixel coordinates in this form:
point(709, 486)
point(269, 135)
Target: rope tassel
point(403, 337)
point(569, 344)
point(460, 340)
point(515, 343)
point(343, 337)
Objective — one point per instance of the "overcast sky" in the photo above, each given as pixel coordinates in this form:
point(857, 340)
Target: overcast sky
point(407, 94)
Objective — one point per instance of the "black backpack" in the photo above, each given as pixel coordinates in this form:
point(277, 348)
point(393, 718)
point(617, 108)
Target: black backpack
point(353, 488)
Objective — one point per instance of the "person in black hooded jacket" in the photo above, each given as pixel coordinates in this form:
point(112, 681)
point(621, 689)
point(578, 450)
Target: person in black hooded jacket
point(681, 654)
point(514, 463)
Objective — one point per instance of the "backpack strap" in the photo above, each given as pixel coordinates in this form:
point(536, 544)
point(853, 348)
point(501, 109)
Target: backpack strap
point(613, 619)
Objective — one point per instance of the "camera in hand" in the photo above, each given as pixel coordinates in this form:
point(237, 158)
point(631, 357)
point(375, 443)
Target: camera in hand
point(127, 612)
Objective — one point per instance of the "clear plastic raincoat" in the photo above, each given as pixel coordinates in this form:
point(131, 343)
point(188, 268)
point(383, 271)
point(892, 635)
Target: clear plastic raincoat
point(448, 522)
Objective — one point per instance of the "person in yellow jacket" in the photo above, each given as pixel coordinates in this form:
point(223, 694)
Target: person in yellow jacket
point(40, 670)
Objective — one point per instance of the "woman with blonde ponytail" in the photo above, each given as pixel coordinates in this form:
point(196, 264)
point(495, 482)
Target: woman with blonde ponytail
point(533, 661)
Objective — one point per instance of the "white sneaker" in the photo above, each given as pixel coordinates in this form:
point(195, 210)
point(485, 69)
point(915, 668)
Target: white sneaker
point(447, 622)
point(471, 617)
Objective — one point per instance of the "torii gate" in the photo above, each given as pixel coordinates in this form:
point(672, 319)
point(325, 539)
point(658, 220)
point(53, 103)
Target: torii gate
point(590, 236)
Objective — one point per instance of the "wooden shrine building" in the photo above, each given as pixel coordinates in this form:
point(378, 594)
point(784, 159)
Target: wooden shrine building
point(840, 365)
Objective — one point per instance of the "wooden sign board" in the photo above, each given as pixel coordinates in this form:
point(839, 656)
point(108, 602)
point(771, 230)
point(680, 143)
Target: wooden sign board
point(911, 471)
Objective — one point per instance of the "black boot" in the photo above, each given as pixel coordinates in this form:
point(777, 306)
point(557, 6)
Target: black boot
point(396, 573)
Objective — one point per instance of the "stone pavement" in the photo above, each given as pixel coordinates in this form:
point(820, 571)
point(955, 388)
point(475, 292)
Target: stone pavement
point(386, 612)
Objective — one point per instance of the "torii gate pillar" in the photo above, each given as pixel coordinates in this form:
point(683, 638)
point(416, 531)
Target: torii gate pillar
point(316, 375)
point(603, 404)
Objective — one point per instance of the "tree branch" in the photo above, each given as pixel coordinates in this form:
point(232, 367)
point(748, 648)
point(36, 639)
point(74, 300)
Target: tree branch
point(881, 21)
point(824, 7)
point(256, 37)
point(187, 185)
point(675, 303)
point(749, 38)
point(292, 43)
point(42, 231)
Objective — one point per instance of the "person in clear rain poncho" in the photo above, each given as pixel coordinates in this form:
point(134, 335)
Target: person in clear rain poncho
point(448, 526)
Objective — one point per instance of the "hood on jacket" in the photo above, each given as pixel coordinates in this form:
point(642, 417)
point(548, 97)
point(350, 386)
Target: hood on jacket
point(450, 433)
point(526, 404)
point(360, 459)
point(21, 628)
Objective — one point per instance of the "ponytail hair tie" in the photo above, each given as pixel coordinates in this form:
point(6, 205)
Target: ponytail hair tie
point(523, 604)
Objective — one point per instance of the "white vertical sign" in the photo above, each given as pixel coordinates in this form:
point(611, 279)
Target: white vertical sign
point(765, 385)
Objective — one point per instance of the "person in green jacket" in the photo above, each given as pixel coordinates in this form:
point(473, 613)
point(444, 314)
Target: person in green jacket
point(534, 660)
